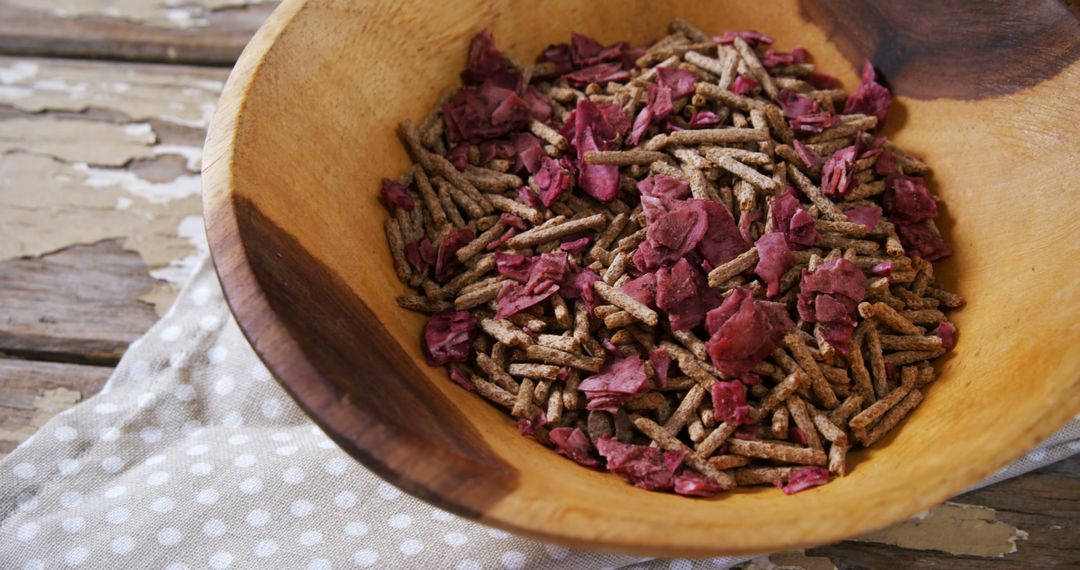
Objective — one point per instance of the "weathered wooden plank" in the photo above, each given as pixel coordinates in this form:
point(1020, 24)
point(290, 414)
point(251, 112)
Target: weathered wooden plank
point(32, 392)
point(80, 304)
point(206, 37)
point(1044, 506)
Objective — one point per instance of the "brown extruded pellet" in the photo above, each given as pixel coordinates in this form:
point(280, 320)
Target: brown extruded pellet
point(511, 206)
point(801, 416)
point(471, 297)
point(910, 342)
point(495, 371)
point(889, 317)
point(624, 157)
point(422, 304)
point(779, 425)
point(778, 451)
point(745, 261)
point(533, 370)
point(505, 332)
point(838, 459)
point(912, 356)
point(561, 358)
point(805, 359)
point(626, 303)
point(824, 204)
point(749, 476)
point(670, 442)
point(892, 418)
point(688, 406)
point(540, 235)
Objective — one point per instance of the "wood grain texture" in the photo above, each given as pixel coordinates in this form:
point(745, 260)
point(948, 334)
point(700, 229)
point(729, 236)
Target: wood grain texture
point(935, 48)
point(304, 150)
point(39, 32)
point(32, 392)
point(79, 304)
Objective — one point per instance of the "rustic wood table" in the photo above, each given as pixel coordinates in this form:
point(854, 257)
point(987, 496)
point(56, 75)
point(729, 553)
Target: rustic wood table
point(103, 108)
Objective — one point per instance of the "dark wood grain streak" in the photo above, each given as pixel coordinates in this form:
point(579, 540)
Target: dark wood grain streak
point(952, 48)
point(380, 407)
point(39, 33)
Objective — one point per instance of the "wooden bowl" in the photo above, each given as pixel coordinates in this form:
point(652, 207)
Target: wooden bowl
point(305, 130)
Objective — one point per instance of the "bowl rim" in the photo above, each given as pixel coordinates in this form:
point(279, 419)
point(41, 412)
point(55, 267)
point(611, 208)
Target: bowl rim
point(242, 294)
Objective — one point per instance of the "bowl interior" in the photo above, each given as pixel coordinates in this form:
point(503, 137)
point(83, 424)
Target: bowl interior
point(306, 130)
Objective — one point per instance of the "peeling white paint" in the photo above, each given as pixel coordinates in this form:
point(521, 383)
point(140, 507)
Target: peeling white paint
point(192, 154)
point(19, 71)
point(15, 92)
point(139, 130)
point(123, 203)
point(153, 192)
point(172, 13)
point(191, 230)
point(200, 123)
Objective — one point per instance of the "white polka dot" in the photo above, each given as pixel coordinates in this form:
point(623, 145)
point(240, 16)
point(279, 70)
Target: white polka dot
point(335, 466)
point(207, 497)
point(163, 505)
point(224, 386)
point(496, 533)
point(209, 322)
point(345, 500)
point(65, 433)
point(109, 434)
point(122, 545)
point(170, 333)
point(293, 476)
point(238, 439)
point(217, 354)
point(105, 409)
point(556, 552)
point(441, 515)
point(232, 420)
point(320, 564)
point(1037, 455)
point(221, 560)
point(191, 428)
point(281, 436)
point(356, 528)
point(144, 399)
point(34, 564)
point(271, 408)
point(114, 492)
point(400, 521)
point(184, 392)
point(411, 547)
point(169, 536)
point(512, 560)
point(73, 524)
point(286, 450)
point(27, 531)
point(213, 528)
point(327, 444)
point(200, 295)
point(260, 373)
point(244, 461)
point(387, 491)
point(1073, 445)
point(150, 434)
point(157, 478)
point(681, 564)
point(265, 548)
point(201, 469)
point(365, 557)
point(76, 556)
point(251, 485)
point(139, 369)
point(258, 518)
point(200, 449)
point(69, 499)
point(301, 508)
point(154, 459)
point(68, 467)
point(112, 464)
point(310, 538)
point(119, 515)
point(23, 470)
point(469, 565)
point(27, 502)
point(455, 539)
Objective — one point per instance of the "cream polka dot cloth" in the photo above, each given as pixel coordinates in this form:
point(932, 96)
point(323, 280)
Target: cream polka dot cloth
point(192, 457)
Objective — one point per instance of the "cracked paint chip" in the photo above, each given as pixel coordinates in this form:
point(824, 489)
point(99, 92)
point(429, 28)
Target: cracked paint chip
point(955, 529)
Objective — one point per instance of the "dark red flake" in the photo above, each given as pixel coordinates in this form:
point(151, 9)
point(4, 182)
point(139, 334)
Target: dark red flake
point(643, 466)
point(729, 402)
point(751, 37)
point(871, 98)
point(661, 362)
point(448, 336)
point(830, 296)
point(680, 82)
point(821, 80)
point(883, 269)
point(886, 164)
point(774, 259)
point(908, 200)
point(744, 331)
point(620, 379)
point(575, 246)
point(459, 156)
point(773, 58)
point(704, 120)
point(528, 426)
point(485, 60)
point(947, 332)
point(642, 288)
point(394, 194)
point(528, 152)
point(446, 261)
point(690, 483)
point(475, 114)
point(420, 254)
point(797, 435)
point(459, 378)
point(837, 176)
point(553, 179)
point(722, 241)
point(804, 114)
point(599, 73)
point(810, 158)
point(792, 219)
point(919, 240)
point(803, 478)
point(867, 216)
point(574, 444)
point(743, 85)
point(526, 196)
point(544, 274)
point(684, 295)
